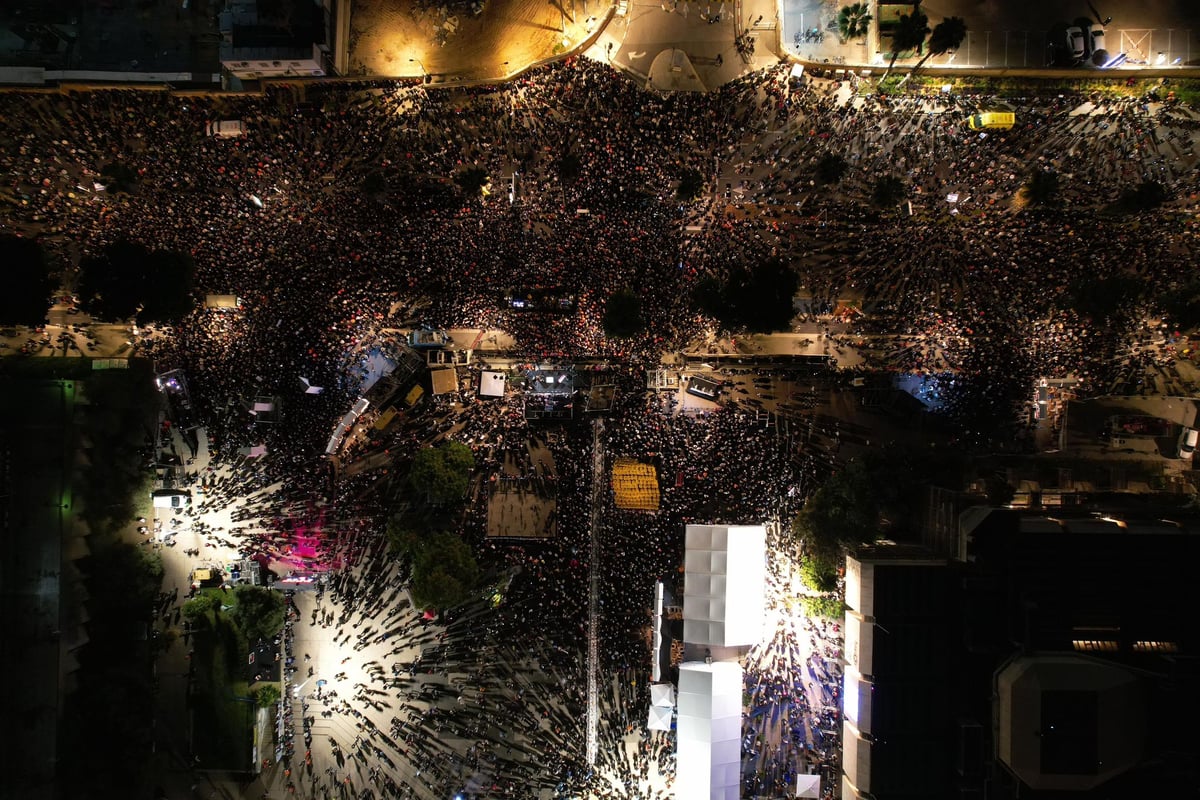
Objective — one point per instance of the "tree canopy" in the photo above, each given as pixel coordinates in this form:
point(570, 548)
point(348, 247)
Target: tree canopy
point(1146, 196)
point(831, 168)
point(1103, 300)
point(854, 21)
point(258, 612)
point(440, 475)
point(1182, 305)
point(623, 314)
point(691, 183)
point(888, 191)
point(127, 279)
point(444, 572)
point(27, 282)
point(119, 178)
point(759, 300)
point(472, 181)
point(570, 167)
point(1042, 187)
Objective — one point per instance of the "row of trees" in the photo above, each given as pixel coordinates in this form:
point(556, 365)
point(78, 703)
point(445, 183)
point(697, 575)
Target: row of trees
point(909, 33)
point(258, 612)
point(127, 279)
point(124, 280)
point(876, 495)
point(28, 282)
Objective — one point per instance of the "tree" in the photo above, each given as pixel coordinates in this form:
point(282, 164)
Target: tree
point(759, 300)
point(27, 282)
point(999, 491)
point(854, 21)
point(946, 37)
point(441, 475)
point(267, 696)
point(1145, 196)
point(818, 574)
point(889, 190)
point(374, 183)
point(908, 34)
point(569, 167)
point(402, 538)
point(196, 609)
point(258, 612)
point(1181, 305)
point(472, 181)
point(691, 183)
point(444, 572)
point(1042, 187)
point(831, 168)
point(843, 512)
point(1103, 300)
point(623, 315)
point(831, 607)
point(126, 278)
point(119, 178)
point(167, 296)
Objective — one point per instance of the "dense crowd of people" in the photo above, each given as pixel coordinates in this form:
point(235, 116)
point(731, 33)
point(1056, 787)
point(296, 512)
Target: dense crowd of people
point(340, 219)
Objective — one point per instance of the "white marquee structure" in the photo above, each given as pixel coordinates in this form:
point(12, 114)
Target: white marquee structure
point(724, 574)
point(709, 731)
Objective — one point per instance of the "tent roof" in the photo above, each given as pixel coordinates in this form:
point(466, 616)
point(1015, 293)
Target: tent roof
point(659, 718)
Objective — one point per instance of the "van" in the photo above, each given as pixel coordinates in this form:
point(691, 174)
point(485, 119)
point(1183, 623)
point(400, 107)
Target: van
point(226, 128)
point(222, 302)
point(1187, 443)
point(171, 498)
point(992, 120)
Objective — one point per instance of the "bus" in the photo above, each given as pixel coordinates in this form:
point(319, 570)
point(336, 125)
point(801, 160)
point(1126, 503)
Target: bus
point(992, 120)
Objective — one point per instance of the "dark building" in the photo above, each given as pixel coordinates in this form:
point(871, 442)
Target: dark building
point(1047, 657)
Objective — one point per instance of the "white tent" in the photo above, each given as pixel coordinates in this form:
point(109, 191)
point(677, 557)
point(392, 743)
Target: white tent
point(709, 728)
point(492, 384)
point(660, 718)
point(724, 575)
point(662, 694)
point(808, 786)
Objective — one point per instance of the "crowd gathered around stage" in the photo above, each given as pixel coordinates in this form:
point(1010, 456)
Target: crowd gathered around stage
point(341, 217)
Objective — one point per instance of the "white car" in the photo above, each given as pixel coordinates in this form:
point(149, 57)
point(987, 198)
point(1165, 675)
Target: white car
point(1075, 42)
point(1097, 34)
point(226, 128)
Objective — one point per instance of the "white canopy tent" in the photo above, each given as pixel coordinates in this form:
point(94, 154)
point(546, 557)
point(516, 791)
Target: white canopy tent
point(660, 718)
point(492, 384)
point(662, 694)
point(724, 575)
point(709, 729)
point(808, 786)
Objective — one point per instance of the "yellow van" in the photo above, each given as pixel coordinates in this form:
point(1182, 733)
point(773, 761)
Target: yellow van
point(992, 120)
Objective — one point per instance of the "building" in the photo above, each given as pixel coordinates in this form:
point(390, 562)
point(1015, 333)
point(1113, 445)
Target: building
point(1044, 656)
point(292, 40)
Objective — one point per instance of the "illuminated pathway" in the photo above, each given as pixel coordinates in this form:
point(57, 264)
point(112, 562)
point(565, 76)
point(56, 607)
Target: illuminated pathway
point(593, 714)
